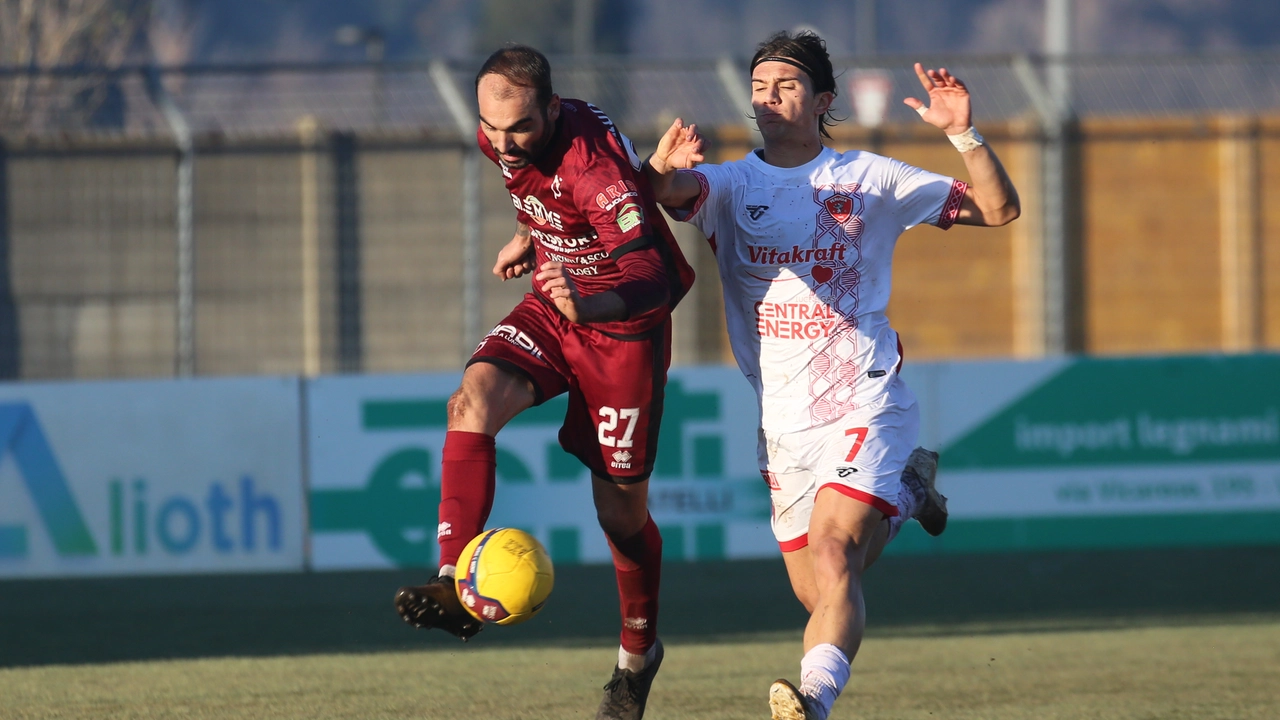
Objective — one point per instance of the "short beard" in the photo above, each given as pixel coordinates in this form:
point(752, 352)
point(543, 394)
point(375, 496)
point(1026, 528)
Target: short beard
point(528, 158)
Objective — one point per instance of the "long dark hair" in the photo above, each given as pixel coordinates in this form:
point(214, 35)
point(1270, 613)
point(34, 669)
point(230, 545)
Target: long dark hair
point(808, 52)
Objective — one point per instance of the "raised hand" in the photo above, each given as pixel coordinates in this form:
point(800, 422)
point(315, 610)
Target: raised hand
point(949, 107)
point(680, 147)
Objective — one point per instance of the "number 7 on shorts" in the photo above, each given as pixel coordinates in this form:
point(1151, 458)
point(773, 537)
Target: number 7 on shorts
point(860, 435)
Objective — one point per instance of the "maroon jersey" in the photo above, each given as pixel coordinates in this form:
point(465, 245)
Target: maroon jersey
point(588, 205)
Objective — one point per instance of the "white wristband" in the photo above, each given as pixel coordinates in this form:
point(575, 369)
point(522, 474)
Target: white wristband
point(967, 140)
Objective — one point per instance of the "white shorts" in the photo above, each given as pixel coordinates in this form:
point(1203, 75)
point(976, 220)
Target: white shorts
point(862, 455)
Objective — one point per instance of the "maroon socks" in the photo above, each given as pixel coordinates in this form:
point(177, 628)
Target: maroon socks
point(637, 560)
point(467, 477)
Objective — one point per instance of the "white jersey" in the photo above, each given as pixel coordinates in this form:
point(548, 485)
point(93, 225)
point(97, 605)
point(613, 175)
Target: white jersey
point(804, 255)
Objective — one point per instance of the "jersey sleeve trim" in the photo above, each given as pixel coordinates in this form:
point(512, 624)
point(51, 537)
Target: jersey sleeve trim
point(951, 208)
point(704, 191)
point(639, 243)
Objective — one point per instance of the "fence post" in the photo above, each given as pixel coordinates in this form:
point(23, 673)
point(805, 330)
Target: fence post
point(185, 361)
point(309, 187)
point(346, 201)
point(1062, 311)
point(1241, 235)
point(10, 338)
point(465, 122)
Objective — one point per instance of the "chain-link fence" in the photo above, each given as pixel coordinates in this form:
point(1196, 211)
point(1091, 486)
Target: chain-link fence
point(335, 218)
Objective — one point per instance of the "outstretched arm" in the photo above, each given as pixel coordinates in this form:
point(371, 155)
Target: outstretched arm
point(991, 199)
point(680, 147)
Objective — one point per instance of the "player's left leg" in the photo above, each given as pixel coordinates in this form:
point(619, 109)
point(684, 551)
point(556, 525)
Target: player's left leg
point(636, 545)
point(857, 466)
point(615, 410)
point(843, 532)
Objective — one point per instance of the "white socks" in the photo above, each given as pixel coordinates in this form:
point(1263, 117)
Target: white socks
point(824, 670)
point(633, 662)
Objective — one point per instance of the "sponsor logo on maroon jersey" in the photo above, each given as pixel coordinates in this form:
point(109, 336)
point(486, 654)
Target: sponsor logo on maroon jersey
point(558, 242)
point(612, 196)
point(514, 336)
point(630, 217)
point(538, 212)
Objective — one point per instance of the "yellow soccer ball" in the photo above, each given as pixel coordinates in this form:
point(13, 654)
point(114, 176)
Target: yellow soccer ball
point(504, 576)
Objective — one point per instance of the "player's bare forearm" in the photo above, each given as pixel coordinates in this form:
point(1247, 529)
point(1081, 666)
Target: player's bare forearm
point(671, 188)
point(558, 284)
point(679, 147)
point(516, 258)
point(991, 200)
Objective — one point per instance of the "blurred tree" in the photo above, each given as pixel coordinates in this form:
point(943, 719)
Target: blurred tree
point(36, 35)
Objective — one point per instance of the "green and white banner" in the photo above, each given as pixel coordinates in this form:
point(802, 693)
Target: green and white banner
point(375, 444)
point(1097, 453)
point(209, 475)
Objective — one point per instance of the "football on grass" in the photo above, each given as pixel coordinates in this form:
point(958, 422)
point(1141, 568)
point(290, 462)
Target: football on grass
point(504, 576)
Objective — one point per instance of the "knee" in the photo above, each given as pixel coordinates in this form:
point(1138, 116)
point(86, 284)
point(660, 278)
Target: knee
point(460, 404)
point(620, 513)
point(807, 595)
point(617, 521)
point(833, 560)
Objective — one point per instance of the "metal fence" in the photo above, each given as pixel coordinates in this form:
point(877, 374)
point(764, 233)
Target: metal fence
point(333, 218)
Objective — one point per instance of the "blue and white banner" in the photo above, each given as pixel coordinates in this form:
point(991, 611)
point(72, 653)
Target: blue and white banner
point(146, 477)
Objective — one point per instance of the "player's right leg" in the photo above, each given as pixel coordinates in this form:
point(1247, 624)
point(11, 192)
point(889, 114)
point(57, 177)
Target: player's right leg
point(486, 401)
point(517, 365)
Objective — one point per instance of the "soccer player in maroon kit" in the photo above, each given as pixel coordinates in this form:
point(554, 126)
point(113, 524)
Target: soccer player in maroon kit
point(597, 325)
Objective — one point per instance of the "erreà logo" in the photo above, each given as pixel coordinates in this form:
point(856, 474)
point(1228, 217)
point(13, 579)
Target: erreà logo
point(22, 439)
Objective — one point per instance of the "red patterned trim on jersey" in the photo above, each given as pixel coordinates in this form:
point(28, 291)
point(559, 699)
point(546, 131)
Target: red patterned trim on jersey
point(862, 496)
point(795, 544)
point(901, 356)
point(704, 189)
point(951, 208)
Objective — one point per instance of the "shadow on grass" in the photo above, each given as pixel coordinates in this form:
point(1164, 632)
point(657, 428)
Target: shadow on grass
point(105, 620)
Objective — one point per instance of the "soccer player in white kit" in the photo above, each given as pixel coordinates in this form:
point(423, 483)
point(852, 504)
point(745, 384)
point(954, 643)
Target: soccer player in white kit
point(804, 237)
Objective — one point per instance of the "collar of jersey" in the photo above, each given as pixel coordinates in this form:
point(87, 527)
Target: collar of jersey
point(804, 170)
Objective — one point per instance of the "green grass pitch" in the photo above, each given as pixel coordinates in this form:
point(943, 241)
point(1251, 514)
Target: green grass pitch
point(1159, 634)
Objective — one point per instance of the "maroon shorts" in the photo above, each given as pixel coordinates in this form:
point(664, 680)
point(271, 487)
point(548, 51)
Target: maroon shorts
point(615, 384)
